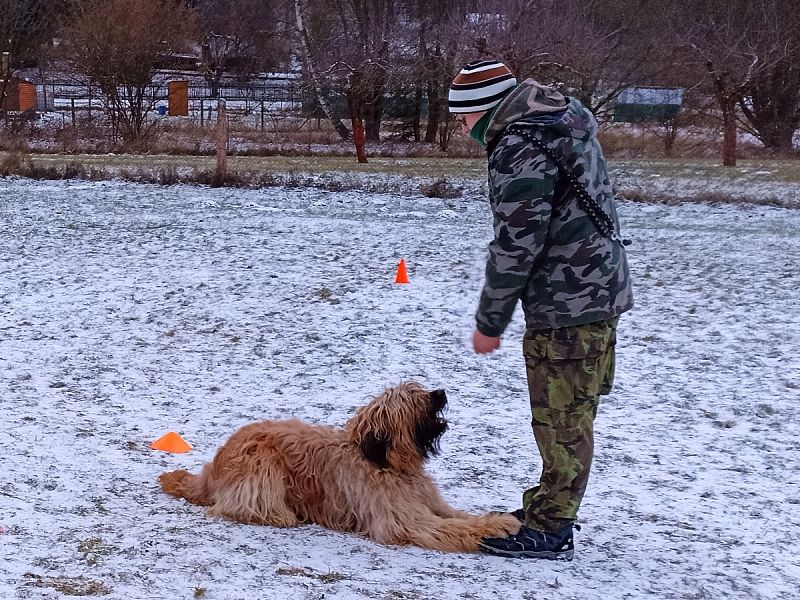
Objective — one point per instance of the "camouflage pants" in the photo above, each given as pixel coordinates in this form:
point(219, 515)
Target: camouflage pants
point(568, 369)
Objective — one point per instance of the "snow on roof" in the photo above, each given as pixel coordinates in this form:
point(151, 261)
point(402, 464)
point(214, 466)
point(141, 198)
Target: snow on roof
point(651, 96)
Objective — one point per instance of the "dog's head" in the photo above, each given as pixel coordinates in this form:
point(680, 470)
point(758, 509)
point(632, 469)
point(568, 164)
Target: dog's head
point(400, 428)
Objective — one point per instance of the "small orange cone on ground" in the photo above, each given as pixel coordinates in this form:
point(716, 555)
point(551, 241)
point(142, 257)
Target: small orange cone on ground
point(402, 274)
point(171, 442)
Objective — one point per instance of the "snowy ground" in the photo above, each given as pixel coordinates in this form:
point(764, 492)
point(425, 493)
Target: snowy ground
point(127, 311)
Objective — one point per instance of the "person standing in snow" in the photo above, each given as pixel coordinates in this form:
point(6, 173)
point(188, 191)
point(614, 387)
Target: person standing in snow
point(557, 249)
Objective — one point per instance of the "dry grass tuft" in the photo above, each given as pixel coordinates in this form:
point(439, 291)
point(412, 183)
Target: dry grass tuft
point(69, 586)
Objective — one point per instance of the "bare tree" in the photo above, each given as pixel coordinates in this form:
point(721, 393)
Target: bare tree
point(771, 107)
point(117, 44)
point(242, 37)
point(693, 113)
point(443, 43)
point(346, 44)
point(592, 49)
point(737, 48)
point(22, 26)
point(218, 51)
point(361, 44)
point(310, 57)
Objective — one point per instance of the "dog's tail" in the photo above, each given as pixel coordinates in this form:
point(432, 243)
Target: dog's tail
point(183, 484)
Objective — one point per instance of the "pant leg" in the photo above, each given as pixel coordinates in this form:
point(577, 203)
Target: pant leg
point(567, 370)
point(608, 377)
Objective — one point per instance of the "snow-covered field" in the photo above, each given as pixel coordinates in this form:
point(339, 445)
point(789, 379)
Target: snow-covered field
point(127, 311)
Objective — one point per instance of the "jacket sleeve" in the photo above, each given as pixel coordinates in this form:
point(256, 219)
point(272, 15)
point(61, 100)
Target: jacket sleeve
point(521, 187)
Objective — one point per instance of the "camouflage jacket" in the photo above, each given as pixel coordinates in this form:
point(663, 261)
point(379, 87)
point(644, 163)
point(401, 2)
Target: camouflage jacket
point(546, 250)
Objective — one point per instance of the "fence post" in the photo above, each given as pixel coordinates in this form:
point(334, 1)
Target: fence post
point(72, 102)
point(202, 113)
point(222, 144)
point(262, 115)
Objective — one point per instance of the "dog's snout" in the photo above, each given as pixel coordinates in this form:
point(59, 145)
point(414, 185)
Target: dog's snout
point(439, 397)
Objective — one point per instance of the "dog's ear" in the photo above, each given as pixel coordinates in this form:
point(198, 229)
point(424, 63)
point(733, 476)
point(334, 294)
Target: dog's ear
point(375, 448)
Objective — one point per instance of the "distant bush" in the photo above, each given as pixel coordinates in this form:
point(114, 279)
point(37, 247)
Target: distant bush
point(441, 188)
point(10, 163)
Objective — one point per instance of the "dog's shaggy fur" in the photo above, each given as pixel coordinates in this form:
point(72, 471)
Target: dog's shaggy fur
point(367, 478)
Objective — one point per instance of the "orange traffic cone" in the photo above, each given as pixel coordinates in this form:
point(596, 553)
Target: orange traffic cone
point(171, 442)
point(402, 274)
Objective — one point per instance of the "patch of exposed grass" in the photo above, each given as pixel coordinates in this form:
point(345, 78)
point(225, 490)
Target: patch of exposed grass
point(765, 410)
point(94, 549)
point(326, 295)
point(412, 167)
point(781, 170)
point(69, 586)
point(441, 188)
point(170, 175)
point(331, 577)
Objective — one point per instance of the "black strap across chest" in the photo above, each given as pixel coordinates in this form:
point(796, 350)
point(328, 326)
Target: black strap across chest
point(588, 203)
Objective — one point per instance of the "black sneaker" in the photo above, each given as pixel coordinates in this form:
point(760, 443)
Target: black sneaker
point(530, 543)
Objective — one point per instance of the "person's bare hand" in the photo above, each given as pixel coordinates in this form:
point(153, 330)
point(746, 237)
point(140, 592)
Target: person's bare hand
point(484, 344)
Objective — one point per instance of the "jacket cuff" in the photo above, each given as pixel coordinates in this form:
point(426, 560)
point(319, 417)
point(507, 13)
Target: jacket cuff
point(489, 331)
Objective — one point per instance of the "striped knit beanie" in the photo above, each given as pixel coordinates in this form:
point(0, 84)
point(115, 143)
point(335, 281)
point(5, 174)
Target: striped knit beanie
point(479, 86)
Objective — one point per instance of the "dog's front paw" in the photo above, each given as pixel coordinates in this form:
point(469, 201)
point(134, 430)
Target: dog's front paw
point(501, 524)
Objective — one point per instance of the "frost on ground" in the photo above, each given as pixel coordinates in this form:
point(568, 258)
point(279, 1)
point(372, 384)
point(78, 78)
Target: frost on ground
point(129, 311)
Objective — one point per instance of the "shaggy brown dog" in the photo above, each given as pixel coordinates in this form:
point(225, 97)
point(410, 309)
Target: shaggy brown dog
point(367, 478)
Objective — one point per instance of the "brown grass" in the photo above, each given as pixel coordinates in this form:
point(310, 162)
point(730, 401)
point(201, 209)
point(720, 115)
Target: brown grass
point(11, 163)
point(69, 586)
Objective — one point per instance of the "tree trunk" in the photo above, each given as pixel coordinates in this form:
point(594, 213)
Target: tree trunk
point(373, 82)
point(3, 93)
point(222, 144)
point(415, 121)
point(358, 140)
point(423, 58)
point(373, 112)
point(213, 81)
point(728, 95)
point(434, 112)
point(445, 133)
point(729, 133)
point(438, 81)
point(357, 122)
point(308, 60)
point(5, 81)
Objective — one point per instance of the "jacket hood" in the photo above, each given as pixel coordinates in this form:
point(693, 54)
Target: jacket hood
point(536, 104)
